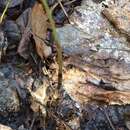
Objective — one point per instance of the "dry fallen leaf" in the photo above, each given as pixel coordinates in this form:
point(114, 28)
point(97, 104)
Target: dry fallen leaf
point(39, 29)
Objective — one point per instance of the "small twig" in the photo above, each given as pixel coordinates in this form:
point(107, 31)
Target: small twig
point(58, 47)
point(54, 6)
point(32, 123)
point(70, 2)
point(3, 14)
point(59, 120)
point(34, 59)
point(59, 1)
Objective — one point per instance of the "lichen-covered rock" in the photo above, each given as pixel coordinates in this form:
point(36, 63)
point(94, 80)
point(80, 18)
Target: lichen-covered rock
point(70, 42)
point(90, 21)
point(91, 31)
point(95, 46)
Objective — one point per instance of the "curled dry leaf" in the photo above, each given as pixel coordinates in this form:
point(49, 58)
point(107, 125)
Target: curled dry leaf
point(39, 29)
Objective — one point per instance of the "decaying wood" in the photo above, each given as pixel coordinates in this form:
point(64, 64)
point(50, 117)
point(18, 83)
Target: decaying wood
point(76, 85)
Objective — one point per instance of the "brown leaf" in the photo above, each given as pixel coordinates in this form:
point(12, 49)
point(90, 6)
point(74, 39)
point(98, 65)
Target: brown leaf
point(39, 29)
point(25, 27)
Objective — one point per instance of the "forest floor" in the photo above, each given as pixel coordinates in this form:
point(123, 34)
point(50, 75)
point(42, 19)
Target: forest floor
point(64, 65)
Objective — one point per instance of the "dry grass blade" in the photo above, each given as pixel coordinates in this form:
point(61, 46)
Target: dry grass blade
point(3, 14)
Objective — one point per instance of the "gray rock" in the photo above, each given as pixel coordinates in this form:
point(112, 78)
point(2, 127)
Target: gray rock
point(71, 38)
point(9, 101)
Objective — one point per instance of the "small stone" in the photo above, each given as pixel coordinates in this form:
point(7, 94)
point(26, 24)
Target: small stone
point(47, 51)
point(22, 128)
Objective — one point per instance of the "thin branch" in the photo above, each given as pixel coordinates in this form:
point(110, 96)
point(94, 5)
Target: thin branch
point(59, 1)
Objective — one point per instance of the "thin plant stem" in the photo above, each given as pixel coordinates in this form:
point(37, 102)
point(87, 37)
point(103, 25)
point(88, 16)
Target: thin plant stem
point(58, 46)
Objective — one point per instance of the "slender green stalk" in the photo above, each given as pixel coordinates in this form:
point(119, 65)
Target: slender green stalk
point(3, 14)
point(59, 49)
